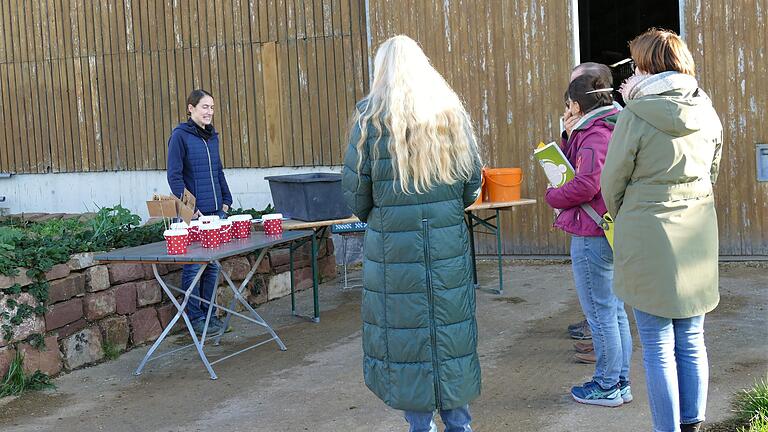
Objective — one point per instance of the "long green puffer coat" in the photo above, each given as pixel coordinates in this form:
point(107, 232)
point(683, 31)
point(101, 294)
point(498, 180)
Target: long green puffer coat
point(418, 305)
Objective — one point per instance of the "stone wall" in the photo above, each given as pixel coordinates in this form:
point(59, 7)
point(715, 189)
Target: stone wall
point(91, 305)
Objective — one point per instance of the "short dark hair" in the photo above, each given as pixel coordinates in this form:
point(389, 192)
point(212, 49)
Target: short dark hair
point(194, 97)
point(578, 91)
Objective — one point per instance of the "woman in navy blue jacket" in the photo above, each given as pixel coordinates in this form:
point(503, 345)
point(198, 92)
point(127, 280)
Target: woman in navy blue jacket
point(194, 163)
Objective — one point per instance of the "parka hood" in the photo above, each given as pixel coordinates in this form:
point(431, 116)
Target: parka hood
point(677, 113)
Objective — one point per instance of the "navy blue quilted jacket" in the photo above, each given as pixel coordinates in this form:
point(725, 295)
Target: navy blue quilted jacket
point(194, 163)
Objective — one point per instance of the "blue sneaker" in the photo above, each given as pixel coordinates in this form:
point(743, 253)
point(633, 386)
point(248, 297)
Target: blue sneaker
point(591, 393)
point(199, 324)
point(581, 333)
point(626, 392)
point(220, 324)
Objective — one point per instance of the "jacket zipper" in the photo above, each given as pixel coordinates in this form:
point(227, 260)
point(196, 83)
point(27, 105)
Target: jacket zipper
point(432, 330)
point(210, 171)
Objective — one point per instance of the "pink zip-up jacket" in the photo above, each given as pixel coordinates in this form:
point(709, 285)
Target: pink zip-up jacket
point(585, 149)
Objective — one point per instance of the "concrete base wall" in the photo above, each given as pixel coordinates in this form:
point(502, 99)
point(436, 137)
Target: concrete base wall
point(86, 192)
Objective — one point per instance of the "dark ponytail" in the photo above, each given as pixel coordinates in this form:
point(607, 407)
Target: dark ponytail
point(194, 97)
point(580, 88)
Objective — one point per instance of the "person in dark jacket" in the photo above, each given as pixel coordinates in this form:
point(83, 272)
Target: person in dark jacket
point(411, 168)
point(194, 163)
point(589, 100)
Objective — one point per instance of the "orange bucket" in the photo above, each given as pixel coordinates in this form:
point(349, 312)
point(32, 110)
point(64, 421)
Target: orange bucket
point(503, 184)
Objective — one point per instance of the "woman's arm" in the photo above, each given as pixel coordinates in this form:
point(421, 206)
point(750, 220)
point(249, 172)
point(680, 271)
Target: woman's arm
point(473, 185)
point(357, 185)
point(620, 161)
point(226, 195)
point(714, 170)
point(586, 183)
point(176, 154)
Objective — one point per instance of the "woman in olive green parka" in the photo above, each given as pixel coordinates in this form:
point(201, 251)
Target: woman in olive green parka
point(411, 168)
point(657, 181)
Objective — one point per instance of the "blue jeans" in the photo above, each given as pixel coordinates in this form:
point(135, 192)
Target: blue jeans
point(592, 259)
point(676, 369)
point(205, 287)
point(455, 420)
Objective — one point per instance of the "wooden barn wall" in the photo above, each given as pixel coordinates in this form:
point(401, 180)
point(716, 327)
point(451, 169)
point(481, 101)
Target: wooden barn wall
point(91, 85)
point(511, 78)
point(510, 61)
point(95, 85)
point(728, 41)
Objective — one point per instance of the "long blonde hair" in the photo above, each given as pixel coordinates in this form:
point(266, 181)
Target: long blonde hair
point(431, 137)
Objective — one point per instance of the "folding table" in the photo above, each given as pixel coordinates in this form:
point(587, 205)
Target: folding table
point(474, 221)
point(155, 253)
point(319, 229)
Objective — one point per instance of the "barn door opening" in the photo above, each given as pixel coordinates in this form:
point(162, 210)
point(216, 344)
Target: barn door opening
point(607, 26)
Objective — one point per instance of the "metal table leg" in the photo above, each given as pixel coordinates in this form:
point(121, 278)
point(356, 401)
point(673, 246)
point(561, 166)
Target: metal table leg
point(315, 283)
point(316, 301)
point(253, 316)
point(256, 318)
point(290, 276)
point(344, 262)
point(475, 221)
point(248, 278)
point(180, 313)
point(498, 251)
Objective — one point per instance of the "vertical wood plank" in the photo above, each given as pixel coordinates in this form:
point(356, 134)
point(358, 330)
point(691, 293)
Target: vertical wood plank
point(241, 133)
point(6, 147)
point(101, 30)
point(272, 109)
point(260, 92)
point(231, 89)
point(26, 115)
point(283, 67)
point(38, 84)
point(294, 28)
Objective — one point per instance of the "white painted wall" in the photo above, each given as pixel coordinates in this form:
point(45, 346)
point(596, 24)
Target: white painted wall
point(83, 192)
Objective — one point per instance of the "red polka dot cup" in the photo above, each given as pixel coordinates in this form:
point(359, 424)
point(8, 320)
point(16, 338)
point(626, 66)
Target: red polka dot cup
point(194, 231)
point(176, 241)
point(181, 226)
point(273, 223)
point(210, 235)
point(241, 225)
point(226, 230)
point(205, 220)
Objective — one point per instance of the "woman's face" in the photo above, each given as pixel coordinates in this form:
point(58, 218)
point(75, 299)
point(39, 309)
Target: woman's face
point(573, 108)
point(202, 113)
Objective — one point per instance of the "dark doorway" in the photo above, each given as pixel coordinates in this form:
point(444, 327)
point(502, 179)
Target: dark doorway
point(607, 26)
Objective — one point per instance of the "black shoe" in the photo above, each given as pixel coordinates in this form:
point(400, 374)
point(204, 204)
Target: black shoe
point(692, 427)
point(578, 325)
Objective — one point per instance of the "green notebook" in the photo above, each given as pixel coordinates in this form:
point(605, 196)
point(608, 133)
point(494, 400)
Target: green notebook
point(556, 166)
point(559, 172)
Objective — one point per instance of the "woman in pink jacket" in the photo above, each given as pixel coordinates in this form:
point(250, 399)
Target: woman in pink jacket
point(592, 116)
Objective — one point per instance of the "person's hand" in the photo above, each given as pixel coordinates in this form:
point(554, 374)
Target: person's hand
point(570, 121)
point(225, 208)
